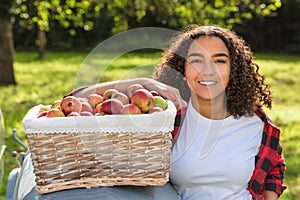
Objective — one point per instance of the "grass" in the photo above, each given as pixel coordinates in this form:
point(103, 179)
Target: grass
point(60, 72)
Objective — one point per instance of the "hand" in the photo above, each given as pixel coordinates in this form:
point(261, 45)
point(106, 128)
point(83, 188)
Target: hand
point(166, 91)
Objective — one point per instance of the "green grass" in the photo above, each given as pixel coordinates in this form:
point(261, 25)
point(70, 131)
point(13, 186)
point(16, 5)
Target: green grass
point(50, 79)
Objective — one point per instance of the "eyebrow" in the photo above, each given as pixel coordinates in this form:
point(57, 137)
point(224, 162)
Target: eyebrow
point(215, 55)
point(195, 54)
point(221, 55)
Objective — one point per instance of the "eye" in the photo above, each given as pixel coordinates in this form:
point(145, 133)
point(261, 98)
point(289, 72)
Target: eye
point(195, 61)
point(223, 61)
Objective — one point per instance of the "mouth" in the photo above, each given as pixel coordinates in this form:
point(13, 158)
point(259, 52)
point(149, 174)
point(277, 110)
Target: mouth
point(207, 83)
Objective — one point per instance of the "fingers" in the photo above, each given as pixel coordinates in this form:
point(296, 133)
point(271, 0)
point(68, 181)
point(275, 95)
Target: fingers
point(168, 92)
point(173, 95)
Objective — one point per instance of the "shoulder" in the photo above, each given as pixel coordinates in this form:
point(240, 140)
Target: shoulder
point(270, 130)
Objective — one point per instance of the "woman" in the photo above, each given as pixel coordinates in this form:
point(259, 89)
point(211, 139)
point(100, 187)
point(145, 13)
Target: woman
point(225, 147)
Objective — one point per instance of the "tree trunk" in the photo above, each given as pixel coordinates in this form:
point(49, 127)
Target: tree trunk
point(6, 53)
point(42, 41)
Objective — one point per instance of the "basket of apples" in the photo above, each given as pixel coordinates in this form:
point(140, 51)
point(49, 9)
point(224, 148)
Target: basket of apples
point(103, 140)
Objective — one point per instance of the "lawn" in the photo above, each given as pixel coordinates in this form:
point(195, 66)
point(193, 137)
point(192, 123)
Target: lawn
point(60, 72)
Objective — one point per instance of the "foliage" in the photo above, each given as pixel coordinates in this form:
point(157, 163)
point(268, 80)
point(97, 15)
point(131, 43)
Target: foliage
point(69, 13)
point(46, 80)
point(278, 33)
point(182, 12)
point(130, 14)
point(260, 31)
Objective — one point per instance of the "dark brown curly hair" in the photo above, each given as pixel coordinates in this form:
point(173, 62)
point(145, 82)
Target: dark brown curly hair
point(246, 91)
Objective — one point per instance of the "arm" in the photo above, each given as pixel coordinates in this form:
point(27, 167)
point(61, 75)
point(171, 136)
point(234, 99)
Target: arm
point(166, 91)
point(274, 181)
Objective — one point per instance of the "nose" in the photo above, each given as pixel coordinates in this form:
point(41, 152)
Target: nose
point(208, 68)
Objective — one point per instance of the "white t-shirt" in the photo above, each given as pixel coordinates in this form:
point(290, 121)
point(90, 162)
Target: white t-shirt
point(215, 159)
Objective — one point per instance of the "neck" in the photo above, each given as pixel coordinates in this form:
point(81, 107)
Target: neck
point(210, 109)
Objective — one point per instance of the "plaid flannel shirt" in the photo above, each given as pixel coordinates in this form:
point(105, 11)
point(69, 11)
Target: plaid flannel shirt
point(269, 168)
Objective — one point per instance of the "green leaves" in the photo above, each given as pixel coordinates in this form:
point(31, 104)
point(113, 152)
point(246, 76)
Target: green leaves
point(68, 13)
point(131, 14)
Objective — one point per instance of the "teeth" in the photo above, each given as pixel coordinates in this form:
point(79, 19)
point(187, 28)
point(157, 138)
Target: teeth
point(207, 82)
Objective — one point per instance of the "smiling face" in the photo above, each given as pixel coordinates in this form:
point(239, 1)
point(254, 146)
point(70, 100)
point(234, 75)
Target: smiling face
point(207, 70)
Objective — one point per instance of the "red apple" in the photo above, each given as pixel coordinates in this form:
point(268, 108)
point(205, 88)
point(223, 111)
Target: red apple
point(156, 109)
point(132, 88)
point(120, 96)
point(70, 104)
point(143, 99)
point(110, 106)
point(73, 114)
point(95, 99)
point(42, 114)
point(131, 109)
point(98, 109)
point(86, 107)
point(55, 112)
point(108, 93)
point(154, 93)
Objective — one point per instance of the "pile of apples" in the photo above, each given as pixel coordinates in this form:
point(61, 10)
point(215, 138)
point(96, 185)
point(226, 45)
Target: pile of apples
point(137, 100)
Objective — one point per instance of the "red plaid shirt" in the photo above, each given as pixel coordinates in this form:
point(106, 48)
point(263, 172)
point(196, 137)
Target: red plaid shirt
point(269, 162)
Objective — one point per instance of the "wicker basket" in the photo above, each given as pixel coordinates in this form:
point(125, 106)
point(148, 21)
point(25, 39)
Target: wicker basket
point(84, 152)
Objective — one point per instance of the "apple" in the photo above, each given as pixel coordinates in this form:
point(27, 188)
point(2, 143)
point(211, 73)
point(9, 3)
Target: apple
point(55, 112)
point(160, 102)
point(42, 114)
point(73, 114)
point(44, 108)
point(56, 104)
point(86, 107)
point(120, 96)
point(154, 93)
point(156, 109)
point(86, 113)
point(70, 104)
point(132, 88)
point(94, 99)
point(99, 114)
point(108, 93)
point(110, 106)
point(131, 109)
point(143, 99)
point(98, 110)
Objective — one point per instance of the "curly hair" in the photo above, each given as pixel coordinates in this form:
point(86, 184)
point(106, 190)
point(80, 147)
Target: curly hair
point(246, 91)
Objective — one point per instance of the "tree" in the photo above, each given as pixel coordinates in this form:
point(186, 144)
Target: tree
point(39, 14)
point(6, 44)
point(279, 33)
point(179, 13)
